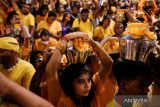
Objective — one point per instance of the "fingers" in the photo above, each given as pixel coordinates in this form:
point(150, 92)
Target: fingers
point(74, 35)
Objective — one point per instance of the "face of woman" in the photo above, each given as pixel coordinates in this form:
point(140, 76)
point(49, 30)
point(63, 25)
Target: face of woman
point(68, 17)
point(82, 85)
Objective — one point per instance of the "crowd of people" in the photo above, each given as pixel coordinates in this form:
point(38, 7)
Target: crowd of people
point(73, 53)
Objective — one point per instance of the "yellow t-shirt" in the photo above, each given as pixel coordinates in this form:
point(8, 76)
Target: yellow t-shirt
point(27, 20)
point(109, 31)
point(39, 46)
point(111, 46)
point(100, 32)
point(54, 28)
point(83, 26)
point(21, 73)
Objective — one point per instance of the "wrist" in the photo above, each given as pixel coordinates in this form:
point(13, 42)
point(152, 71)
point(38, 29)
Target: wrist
point(61, 47)
point(65, 39)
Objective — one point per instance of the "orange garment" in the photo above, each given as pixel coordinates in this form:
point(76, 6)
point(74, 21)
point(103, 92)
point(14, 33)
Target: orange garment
point(142, 4)
point(39, 46)
point(104, 94)
point(25, 52)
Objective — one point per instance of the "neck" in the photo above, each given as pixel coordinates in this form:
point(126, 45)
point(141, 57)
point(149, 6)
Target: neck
point(11, 63)
point(65, 23)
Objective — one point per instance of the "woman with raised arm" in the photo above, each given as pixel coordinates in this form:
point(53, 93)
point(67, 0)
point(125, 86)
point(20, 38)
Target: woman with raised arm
point(75, 86)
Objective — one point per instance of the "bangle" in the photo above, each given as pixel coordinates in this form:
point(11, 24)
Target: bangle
point(61, 48)
point(65, 39)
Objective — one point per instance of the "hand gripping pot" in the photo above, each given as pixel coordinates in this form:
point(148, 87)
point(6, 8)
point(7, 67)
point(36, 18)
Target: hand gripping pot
point(135, 49)
point(75, 55)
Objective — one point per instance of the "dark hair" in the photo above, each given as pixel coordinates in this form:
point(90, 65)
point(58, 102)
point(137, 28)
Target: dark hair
point(64, 16)
point(84, 11)
point(75, 4)
point(52, 13)
point(43, 7)
point(68, 75)
point(44, 32)
point(104, 19)
point(129, 70)
point(10, 16)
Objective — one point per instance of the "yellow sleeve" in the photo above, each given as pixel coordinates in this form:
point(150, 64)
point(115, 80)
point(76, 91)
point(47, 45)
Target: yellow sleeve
point(29, 72)
point(59, 28)
point(95, 33)
point(75, 23)
point(32, 20)
point(39, 26)
point(105, 94)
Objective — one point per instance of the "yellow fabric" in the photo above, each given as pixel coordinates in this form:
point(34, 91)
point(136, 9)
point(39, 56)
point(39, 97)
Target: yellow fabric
point(22, 74)
point(39, 18)
point(100, 32)
point(9, 43)
point(54, 28)
point(63, 2)
point(39, 46)
point(139, 30)
point(103, 95)
point(83, 26)
point(111, 46)
point(110, 30)
point(28, 20)
point(154, 6)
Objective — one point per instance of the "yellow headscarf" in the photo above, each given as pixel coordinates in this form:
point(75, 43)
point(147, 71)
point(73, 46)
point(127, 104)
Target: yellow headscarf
point(9, 43)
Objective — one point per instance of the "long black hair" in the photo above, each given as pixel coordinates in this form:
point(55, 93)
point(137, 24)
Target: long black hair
point(67, 77)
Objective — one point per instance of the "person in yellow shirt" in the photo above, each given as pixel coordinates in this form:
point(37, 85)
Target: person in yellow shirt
point(12, 66)
point(42, 13)
point(43, 43)
point(27, 18)
point(106, 28)
point(83, 24)
point(50, 24)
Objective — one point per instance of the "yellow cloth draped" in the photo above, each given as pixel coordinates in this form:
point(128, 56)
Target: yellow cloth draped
point(9, 43)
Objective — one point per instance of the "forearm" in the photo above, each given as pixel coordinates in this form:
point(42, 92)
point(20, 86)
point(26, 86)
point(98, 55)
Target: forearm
point(26, 36)
point(130, 17)
point(32, 30)
point(106, 61)
point(102, 43)
point(103, 56)
point(24, 97)
point(52, 79)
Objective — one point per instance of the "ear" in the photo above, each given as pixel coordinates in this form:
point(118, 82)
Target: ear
point(13, 53)
point(123, 87)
